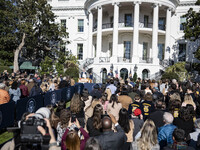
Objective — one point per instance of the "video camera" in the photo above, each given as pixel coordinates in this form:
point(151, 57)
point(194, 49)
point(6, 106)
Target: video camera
point(29, 133)
point(28, 137)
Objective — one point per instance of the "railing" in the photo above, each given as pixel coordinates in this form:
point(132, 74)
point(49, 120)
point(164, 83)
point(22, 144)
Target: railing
point(85, 64)
point(107, 25)
point(146, 60)
point(130, 24)
point(95, 28)
point(123, 59)
point(104, 59)
point(88, 62)
point(165, 63)
point(161, 27)
point(125, 24)
point(145, 25)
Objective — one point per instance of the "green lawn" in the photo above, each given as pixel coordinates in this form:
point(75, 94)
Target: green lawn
point(4, 137)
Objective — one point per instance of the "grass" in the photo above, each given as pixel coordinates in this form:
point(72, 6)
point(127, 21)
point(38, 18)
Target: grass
point(5, 136)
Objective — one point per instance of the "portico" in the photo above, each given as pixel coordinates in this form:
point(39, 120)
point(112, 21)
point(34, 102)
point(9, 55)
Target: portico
point(112, 20)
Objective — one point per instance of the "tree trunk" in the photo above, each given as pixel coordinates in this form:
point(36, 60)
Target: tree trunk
point(16, 54)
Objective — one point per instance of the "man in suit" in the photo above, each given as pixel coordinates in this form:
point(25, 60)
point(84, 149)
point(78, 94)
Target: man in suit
point(110, 140)
point(83, 74)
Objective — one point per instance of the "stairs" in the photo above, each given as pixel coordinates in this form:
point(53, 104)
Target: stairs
point(86, 64)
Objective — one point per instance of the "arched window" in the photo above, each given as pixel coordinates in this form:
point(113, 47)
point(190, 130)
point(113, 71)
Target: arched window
point(104, 75)
point(145, 74)
point(124, 73)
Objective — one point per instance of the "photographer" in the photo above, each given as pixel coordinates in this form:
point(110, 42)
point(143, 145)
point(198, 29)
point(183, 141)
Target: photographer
point(35, 132)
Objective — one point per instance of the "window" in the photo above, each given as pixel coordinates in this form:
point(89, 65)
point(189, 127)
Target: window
point(63, 23)
point(161, 52)
point(145, 50)
point(146, 21)
point(80, 51)
point(80, 25)
point(161, 23)
point(128, 20)
point(182, 52)
point(182, 20)
point(111, 21)
point(110, 48)
point(145, 74)
point(127, 49)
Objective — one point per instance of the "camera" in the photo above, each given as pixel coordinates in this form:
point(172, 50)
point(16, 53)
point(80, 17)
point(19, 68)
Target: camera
point(30, 137)
point(29, 132)
point(73, 117)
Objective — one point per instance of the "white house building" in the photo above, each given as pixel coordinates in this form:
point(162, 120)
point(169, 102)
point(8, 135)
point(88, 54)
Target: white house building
point(141, 36)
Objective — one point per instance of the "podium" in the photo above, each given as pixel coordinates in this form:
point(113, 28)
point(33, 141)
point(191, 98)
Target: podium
point(84, 80)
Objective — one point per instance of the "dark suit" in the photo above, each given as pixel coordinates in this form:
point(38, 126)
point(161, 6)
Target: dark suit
point(110, 140)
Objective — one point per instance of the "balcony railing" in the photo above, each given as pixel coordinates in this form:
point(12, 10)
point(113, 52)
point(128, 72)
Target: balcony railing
point(107, 25)
point(145, 25)
point(146, 60)
point(123, 59)
point(104, 59)
point(94, 28)
point(130, 24)
point(161, 27)
point(125, 24)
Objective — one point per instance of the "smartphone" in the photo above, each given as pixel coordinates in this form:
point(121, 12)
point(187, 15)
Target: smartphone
point(73, 117)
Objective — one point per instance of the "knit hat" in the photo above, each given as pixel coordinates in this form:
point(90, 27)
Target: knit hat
point(137, 112)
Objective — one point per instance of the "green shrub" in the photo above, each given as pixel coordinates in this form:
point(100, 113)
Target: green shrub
point(170, 75)
point(72, 72)
point(135, 77)
point(2, 68)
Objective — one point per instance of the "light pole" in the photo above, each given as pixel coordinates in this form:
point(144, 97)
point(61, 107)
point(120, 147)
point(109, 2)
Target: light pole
point(135, 68)
point(135, 73)
point(111, 67)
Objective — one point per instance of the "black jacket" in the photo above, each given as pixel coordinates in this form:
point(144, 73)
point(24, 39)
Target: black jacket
point(110, 140)
point(157, 117)
point(92, 131)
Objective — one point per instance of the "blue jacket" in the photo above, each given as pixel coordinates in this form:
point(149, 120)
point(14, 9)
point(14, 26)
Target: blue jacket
point(165, 135)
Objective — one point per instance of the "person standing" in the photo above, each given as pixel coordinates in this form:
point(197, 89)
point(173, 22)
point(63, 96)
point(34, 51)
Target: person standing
point(165, 132)
point(110, 140)
point(14, 91)
point(4, 95)
point(24, 89)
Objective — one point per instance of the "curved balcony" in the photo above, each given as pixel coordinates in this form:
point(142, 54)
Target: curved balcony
point(123, 26)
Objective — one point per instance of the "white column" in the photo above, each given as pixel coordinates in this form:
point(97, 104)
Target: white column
point(135, 58)
point(115, 31)
point(155, 34)
point(90, 36)
point(167, 34)
point(99, 31)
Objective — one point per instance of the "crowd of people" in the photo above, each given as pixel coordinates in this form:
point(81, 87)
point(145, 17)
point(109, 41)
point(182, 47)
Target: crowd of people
point(118, 115)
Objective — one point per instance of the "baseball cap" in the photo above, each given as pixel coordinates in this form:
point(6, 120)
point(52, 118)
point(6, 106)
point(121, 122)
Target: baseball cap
point(137, 112)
